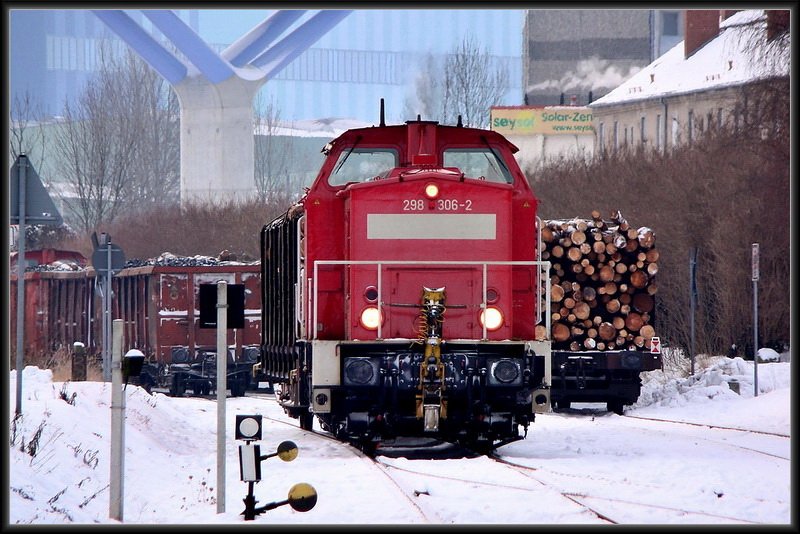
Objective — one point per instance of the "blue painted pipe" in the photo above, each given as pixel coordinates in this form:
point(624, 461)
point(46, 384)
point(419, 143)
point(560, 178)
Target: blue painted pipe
point(202, 56)
point(158, 57)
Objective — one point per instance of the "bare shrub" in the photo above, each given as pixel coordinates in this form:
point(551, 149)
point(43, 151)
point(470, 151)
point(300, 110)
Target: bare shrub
point(65, 396)
point(199, 228)
point(722, 194)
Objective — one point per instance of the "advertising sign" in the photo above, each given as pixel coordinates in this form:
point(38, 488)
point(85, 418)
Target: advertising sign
point(552, 120)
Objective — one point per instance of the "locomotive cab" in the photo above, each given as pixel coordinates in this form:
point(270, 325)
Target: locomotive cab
point(403, 292)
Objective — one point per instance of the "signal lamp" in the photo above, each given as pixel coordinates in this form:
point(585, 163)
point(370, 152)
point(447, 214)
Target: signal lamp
point(371, 294)
point(491, 295)
point(248, 427)
point(302, 497)
point(431, 191)
point(370, 318)
point(491, 318)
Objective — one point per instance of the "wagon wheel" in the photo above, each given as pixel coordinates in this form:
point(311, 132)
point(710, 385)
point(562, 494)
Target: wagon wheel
point(177, 386)
point(147, 382)
point(306, 420)
point(237, 388)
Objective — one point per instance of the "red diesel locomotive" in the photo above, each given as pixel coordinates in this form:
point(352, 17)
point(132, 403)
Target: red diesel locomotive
point(403, 296)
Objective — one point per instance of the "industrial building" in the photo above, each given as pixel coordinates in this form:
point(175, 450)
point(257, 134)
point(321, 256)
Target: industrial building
point(572, 56)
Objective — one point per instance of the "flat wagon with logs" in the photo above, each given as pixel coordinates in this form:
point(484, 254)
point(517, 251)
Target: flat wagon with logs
point(603, 290)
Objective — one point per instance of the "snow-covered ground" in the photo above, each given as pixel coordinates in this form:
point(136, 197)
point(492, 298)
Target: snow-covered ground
point(630, 469)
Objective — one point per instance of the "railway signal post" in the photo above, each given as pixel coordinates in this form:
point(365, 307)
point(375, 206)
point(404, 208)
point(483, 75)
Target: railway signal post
point(30, 204)
point(302, 497)
point(754, 255)
point(107, 259)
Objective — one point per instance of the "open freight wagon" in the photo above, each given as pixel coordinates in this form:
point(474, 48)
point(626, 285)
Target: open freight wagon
point(160, 305)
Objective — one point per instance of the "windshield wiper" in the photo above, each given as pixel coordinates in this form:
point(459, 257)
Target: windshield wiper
point(507, 172)
point(339, 166)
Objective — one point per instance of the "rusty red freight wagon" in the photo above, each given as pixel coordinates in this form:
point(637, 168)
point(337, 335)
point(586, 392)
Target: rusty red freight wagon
point(160, 307)
point(59, 303)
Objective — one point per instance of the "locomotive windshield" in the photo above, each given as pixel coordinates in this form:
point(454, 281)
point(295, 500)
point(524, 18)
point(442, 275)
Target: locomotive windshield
point(362, 164)
point(479, 163)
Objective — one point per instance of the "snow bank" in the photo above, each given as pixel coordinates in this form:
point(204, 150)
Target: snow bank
point(719, 381)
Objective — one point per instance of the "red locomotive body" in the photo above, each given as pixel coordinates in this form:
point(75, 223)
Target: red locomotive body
point(401, 294)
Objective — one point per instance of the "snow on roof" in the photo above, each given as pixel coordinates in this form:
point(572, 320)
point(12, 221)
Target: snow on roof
point(727, 60)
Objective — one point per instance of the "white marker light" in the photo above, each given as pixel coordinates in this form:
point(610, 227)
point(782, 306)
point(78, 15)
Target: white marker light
point(431, 191)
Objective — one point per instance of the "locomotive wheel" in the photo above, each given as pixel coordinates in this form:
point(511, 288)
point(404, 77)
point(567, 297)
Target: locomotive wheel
point(306, 420)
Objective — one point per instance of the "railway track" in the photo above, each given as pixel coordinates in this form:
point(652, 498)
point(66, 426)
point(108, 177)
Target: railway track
point(581, 497)
point(740, 431)
point(747, 430)
point(428, 487)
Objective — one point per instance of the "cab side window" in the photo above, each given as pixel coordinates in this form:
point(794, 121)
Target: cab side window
point(362, 164)
point(478, 163)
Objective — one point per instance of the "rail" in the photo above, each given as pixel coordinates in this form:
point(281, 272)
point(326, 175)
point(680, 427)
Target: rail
point(544, 266)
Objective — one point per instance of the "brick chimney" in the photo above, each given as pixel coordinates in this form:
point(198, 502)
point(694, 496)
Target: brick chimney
point(728, 12)
point(777, 22)
point(702, 25)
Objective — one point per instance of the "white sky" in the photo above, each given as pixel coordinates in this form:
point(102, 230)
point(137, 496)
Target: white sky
point(658, 472)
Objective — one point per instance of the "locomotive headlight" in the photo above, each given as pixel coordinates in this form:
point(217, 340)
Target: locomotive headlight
point(431, 191)
point(491, 318)
point(370, 318)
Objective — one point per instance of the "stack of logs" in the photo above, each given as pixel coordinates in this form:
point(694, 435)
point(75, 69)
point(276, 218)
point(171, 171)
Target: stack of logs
point(602, 283)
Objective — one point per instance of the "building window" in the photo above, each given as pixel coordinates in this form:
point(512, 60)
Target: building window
point(659, 132)
point(669, 23)
point(676, 132)
point(616, 136)
point(641, 130)
point(601, 131)
point(719, 118)
point(690, 127)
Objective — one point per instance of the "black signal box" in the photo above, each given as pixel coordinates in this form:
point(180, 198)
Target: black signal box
point(208, 305)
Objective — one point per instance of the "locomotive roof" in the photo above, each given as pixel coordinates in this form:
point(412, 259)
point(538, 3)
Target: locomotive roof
point(446, 135)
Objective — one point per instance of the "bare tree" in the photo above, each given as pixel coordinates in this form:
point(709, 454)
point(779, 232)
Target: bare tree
point(119, 143)
point(467, 83)
point(25, 135)
point(273, 153)
point(471, 87)
point(154, 176)
point(427, 99)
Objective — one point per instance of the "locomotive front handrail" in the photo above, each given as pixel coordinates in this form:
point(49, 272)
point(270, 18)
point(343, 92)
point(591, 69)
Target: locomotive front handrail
point(544, 267)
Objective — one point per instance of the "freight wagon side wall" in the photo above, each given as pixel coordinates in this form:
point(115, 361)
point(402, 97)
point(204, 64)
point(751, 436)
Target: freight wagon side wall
point(161, 309)
point(279, 242)
point(58, 312)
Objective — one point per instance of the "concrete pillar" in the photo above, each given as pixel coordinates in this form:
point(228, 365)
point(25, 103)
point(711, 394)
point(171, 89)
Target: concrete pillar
point(217, 139)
